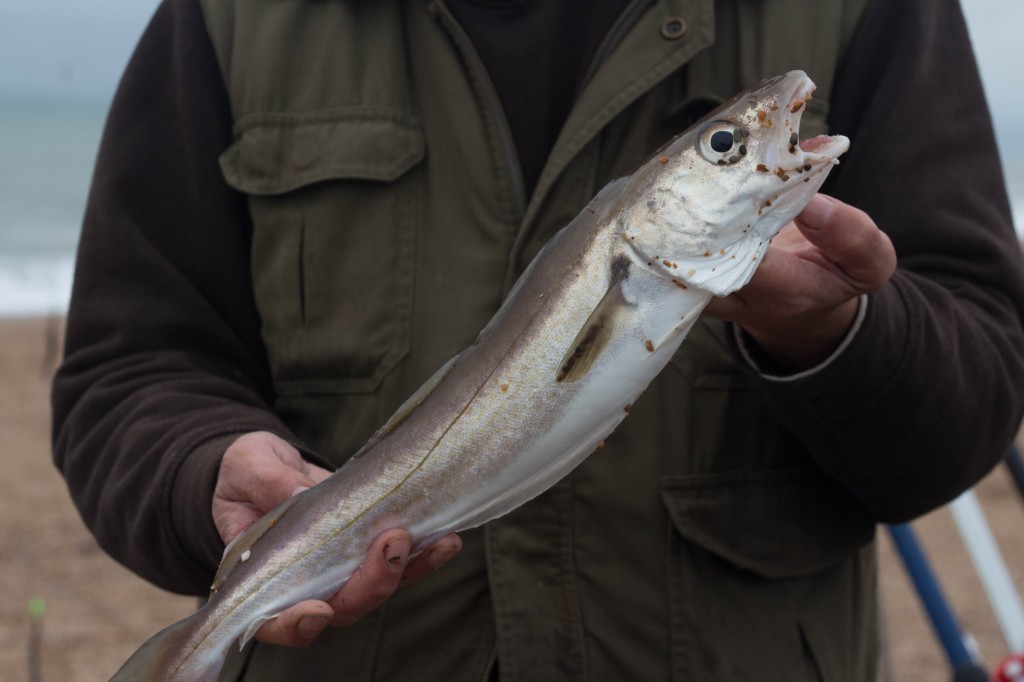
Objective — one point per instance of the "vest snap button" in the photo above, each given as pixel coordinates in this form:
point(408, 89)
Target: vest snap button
point(673, 28)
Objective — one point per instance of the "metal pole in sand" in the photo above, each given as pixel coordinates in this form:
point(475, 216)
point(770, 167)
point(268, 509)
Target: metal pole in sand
point(959, 647)
point(1015, 462)
point(991, 569)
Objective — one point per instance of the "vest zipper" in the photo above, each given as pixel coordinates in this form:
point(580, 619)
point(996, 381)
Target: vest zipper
point(622, 25)
point(491, 662)
point(508, 145)
point(612, 38)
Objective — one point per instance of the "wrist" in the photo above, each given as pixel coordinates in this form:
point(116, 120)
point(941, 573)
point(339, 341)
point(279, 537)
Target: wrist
point(801, 346)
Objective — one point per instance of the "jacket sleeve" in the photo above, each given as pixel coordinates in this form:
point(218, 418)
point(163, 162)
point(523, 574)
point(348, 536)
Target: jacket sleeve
point(163, 362)
point(928, 396)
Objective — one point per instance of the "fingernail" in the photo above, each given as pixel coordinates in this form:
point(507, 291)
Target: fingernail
point(299, 489)
point(818, 212)
point(311, 626)
point(396, 553)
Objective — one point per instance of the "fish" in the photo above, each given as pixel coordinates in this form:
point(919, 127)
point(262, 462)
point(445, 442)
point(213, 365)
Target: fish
point(589, 324)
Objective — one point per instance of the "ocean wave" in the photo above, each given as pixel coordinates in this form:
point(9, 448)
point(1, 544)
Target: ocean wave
point(35, 286)
point(41, 284)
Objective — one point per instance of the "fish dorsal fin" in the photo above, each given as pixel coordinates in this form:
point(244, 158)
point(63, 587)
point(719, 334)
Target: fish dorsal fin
point(240, 549)
point(596, 331)
point(406, 408)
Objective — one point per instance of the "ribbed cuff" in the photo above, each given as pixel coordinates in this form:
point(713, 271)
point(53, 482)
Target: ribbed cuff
point(192, 499)
point(748, 350)
point(857, 373)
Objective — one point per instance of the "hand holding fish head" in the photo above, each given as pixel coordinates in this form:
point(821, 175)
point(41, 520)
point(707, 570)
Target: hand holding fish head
point(722, 190)
point(803, 300)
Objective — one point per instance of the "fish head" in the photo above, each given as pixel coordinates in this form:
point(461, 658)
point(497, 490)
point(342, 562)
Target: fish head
point(707, 204)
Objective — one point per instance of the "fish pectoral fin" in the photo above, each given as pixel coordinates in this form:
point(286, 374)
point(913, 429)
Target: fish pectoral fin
point(406, 408)
point(254, 627)
point(597, 330)
point(683, 328)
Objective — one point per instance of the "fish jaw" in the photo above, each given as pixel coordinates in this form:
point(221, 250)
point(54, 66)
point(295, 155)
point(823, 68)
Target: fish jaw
point(716, 195)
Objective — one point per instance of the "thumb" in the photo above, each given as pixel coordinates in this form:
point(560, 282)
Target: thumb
point(850, 242)
point(277, 483)
point(257, 472)
point(262, 470)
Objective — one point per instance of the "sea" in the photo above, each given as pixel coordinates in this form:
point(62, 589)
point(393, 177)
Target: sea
point(48, 145)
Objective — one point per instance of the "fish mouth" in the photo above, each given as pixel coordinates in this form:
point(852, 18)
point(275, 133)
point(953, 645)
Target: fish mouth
point(824, 148)
point(780, 109)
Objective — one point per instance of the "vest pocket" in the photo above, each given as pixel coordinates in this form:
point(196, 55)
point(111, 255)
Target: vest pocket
point(333, 207)
point(777, 563)
point(779, 523)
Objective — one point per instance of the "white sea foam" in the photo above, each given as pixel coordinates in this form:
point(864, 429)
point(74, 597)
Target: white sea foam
point(49, 147)
point(35, 286)
point(41, 284)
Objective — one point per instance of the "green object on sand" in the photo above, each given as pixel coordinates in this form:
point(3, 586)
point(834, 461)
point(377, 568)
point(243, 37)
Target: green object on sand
point(36, 606)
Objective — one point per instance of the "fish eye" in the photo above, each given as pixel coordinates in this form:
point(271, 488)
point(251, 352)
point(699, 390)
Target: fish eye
point(722, 143)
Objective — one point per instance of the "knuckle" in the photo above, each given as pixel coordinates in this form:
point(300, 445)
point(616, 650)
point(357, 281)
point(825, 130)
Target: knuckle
point(345, 619)
point(272, 633)
point(265, 491)
point(384, 589)
point(345, 612)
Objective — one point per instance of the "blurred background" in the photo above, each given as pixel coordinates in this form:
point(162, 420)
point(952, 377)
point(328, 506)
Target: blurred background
point(71, 613)
point(60, 61)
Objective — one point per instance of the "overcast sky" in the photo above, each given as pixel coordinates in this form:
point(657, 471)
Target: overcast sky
point(70, 46)
point(81, 47)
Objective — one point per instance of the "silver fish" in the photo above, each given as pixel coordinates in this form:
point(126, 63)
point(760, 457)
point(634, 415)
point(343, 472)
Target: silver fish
point(591, 322)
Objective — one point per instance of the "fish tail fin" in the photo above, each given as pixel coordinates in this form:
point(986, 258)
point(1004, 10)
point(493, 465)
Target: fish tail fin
point(165, 655)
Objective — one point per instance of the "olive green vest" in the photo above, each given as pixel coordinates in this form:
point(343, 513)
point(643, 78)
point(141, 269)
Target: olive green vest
point(389, 220)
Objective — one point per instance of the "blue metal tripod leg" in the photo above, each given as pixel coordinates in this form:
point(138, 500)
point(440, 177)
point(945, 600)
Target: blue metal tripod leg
point(965, 667)
point(1015, 462)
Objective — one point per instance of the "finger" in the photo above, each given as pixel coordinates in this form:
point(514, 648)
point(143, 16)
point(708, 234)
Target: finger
point(433, 557)
point(298, 626)
point(374, 581)
point(290, 456)
point(833, 252)
point(850, 241)
point(232, 519)
point(318, 474)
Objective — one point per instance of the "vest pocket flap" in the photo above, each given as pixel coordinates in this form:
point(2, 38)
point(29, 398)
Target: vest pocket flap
point(777, 524)
point(277, 153)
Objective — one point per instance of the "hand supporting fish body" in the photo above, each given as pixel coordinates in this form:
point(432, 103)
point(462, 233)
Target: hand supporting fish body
point(587, 327)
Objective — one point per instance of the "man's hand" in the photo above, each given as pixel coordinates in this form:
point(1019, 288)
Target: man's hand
point(258, 472)
point(802, 300)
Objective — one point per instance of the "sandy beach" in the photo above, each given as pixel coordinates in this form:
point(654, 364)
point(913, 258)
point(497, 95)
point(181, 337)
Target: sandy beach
point(96, 612)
